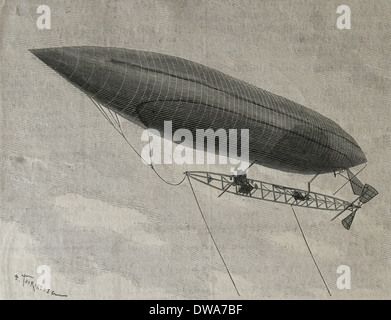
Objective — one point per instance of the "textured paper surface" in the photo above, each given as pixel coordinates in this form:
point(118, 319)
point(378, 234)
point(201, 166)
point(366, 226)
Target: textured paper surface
point(76, 198)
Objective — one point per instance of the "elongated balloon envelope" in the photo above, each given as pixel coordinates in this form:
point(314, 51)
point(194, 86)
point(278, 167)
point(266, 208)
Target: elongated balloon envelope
point(149, 88)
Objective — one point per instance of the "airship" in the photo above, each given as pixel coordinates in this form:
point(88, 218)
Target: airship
point(149, 88)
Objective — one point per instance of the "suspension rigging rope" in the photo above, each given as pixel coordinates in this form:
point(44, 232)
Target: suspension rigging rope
point(115, 122)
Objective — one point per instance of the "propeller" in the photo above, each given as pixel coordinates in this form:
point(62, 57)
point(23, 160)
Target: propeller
point(367, 193)
point(347, 222)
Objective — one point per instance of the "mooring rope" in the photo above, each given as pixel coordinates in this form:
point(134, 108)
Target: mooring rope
point(211, 236)
point(309, 249)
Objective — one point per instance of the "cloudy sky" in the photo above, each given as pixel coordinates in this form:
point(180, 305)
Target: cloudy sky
point(76, 198)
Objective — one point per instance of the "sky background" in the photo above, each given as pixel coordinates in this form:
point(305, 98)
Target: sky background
point(75, 197)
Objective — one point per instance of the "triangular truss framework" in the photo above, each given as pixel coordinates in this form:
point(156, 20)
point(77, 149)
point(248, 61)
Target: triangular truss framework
point(274, 193)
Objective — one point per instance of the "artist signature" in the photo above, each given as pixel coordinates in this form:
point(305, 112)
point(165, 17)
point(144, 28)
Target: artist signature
point(27, 281)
